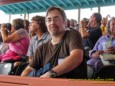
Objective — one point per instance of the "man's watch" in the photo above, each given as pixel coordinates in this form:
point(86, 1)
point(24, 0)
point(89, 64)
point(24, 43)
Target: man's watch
point(53, 74)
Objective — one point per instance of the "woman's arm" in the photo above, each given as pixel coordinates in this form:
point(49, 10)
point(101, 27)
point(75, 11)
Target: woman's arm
point(9, 38)
point(96, 54)
point(110, 50)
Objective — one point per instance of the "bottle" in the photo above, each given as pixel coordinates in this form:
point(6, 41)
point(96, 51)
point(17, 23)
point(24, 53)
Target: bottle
point(109, 43)
point(104, 46)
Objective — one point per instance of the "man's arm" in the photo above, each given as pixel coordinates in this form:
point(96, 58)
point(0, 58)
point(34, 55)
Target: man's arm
point(27, 71)
point(69, 63)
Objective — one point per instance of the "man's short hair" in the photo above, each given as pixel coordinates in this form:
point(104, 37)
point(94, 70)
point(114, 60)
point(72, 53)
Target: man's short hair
point(98, 17)
point(63, 14)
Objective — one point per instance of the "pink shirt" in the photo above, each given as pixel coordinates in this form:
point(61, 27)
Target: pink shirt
point(20, 47)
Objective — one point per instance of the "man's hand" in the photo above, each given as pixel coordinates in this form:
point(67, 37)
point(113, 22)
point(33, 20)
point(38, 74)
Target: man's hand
point(46, 75)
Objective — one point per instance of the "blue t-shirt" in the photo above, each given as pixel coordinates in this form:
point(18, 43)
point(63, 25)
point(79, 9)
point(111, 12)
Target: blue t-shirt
point(35, 42)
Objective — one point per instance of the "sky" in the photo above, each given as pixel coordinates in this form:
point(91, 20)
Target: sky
point(71, 14)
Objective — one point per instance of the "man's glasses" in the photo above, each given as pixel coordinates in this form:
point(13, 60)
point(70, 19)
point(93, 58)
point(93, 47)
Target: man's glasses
point(55, 19)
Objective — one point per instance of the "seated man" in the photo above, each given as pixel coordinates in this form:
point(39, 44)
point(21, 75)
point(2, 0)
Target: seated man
point(92, 32)
point(68, 58)
point(106, 44)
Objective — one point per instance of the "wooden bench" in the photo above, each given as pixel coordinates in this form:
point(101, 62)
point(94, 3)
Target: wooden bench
point(31, 81)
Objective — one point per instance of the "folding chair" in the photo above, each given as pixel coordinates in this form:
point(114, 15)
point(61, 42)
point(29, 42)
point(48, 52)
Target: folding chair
point(5, 68)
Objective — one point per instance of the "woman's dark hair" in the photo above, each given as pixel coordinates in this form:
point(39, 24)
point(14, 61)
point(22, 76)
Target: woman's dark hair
point(68, 23)
point(41, 21)
point(18, 23)
point(26, 25)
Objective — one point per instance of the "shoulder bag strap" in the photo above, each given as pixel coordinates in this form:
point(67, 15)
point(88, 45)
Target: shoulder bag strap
point(57, 48)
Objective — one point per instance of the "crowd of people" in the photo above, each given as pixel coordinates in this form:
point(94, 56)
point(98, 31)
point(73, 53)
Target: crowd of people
point(59, 41)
